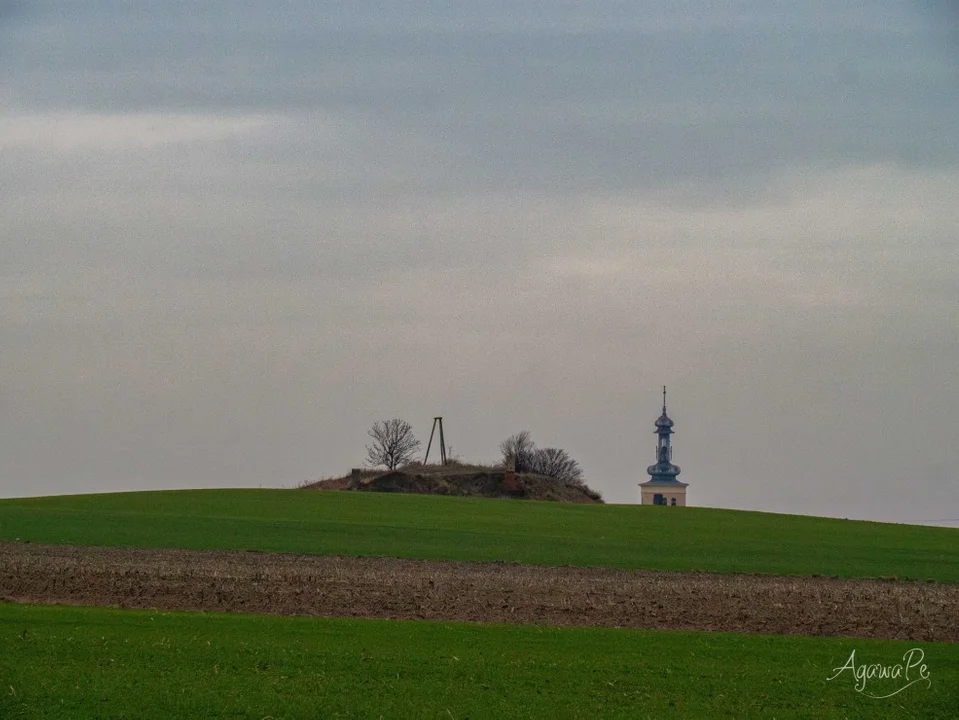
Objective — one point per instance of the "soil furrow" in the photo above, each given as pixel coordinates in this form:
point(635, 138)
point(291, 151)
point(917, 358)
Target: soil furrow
point(481, 592)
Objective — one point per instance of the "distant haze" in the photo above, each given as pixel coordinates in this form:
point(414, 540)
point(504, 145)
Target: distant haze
point(233, 235)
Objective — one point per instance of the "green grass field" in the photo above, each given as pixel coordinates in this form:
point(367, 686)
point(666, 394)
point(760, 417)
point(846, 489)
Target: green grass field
point(432, 527)
point(89, 662)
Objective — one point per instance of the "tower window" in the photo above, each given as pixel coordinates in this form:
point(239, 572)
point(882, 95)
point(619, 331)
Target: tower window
point(672, 501)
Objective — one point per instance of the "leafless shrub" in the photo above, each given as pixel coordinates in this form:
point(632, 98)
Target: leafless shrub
point(556, 463)
point(521, 451)
point(518, 450)
point(592, 494)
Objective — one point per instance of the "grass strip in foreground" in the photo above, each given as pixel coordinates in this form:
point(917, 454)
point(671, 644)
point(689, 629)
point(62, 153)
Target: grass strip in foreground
point(478, 529)
point(58, 662)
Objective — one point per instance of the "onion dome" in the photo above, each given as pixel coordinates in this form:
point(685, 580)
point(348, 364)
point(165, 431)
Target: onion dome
point(663, 421)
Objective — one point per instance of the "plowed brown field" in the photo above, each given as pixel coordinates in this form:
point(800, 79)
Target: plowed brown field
point(506, 593)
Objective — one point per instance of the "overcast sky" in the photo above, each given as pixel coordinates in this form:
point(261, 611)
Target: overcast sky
point(235, 234)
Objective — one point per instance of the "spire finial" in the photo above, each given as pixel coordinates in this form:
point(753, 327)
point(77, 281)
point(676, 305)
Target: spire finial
point(664, 398)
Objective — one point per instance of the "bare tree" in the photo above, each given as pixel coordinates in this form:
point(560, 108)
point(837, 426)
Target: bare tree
point(518, 449)
point(393, 443)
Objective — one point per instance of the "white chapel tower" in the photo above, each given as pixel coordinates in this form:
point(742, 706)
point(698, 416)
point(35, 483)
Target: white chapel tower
point(663, 488)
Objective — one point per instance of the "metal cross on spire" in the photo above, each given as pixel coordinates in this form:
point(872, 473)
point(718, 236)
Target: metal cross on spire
point(664, 398)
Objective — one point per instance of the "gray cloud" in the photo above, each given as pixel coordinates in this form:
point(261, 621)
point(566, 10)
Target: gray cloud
point(621, 97)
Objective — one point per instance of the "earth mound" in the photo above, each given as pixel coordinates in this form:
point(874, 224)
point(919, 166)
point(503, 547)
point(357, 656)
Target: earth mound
point(461, 480)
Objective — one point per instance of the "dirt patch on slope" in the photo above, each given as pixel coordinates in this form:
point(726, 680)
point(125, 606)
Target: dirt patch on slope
point(482, 592)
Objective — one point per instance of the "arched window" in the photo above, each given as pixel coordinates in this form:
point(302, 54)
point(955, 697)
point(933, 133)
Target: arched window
point(672, 501)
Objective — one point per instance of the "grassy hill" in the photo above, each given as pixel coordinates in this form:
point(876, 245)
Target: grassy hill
point(432, 527)
point(94, 662)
